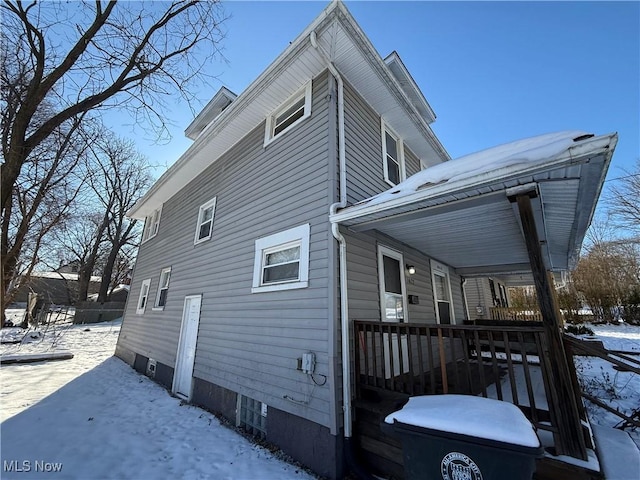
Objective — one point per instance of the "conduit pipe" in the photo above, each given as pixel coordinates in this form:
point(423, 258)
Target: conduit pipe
point(344, 304)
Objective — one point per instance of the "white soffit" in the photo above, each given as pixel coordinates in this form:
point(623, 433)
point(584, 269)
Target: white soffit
point(357, 61)
point(472, 225)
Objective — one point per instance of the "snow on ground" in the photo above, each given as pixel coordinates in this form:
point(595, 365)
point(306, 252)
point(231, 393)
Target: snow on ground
point(620, 390)
point(94, 417)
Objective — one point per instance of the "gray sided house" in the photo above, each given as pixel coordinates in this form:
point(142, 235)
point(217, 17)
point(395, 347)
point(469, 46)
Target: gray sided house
point(266, 267)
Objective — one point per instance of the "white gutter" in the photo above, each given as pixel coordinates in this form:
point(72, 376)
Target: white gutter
point(344, 305)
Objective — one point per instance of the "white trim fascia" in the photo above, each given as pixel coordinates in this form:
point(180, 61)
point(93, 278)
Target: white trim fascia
point(499, 175)
point(395, 57)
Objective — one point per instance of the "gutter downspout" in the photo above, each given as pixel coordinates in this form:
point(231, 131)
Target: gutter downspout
point(344, 305)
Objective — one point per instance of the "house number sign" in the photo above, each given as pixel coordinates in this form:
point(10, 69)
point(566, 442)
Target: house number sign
point(457, 466)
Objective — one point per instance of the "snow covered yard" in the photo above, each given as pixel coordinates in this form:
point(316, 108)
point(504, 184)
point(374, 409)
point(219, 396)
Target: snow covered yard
point(620, 390)
point(93, 417)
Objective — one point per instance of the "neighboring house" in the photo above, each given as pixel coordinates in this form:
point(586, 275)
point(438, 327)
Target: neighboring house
point(58, 288)
point(266, 245)
point(118, 294)
point(483, 294)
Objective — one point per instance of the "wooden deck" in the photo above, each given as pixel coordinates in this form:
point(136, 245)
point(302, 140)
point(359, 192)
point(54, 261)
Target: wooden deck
point(394, 361)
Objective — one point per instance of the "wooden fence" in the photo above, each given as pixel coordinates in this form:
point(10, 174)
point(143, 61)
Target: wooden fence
point(507, 313)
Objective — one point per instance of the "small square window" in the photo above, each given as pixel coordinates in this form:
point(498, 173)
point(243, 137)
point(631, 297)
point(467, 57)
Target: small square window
point(205, 221)
point(144, 296)
point(281, 260)
point(293, 111)
point(393, 157)
point(163, 289)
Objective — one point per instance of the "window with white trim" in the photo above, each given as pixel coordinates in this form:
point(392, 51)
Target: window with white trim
point(151, 225)
point(205, 221)
point(392, 156)
point(442, 293)
point(281, 260)
point(163, 289)
point(144, 296)
point(292, 112)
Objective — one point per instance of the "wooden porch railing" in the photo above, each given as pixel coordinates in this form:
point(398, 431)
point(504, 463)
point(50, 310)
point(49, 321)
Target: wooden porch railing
point(508, 313)
point(505, 363)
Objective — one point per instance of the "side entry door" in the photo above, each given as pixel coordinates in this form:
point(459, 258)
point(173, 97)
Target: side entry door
point(186, 355)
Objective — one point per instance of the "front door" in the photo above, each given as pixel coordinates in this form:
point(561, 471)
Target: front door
point(393, 308)
point(186, 354)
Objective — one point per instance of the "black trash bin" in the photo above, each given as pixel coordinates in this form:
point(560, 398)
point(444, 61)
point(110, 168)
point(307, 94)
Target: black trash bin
point(459, 437)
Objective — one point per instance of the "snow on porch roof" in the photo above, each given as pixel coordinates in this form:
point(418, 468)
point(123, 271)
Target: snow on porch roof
point(459, 211)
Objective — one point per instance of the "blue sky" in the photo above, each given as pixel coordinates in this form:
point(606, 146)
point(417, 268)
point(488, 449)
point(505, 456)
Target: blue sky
point(492, 71)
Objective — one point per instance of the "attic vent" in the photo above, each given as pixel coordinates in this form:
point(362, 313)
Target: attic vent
point(583, 137)
point(252, 416)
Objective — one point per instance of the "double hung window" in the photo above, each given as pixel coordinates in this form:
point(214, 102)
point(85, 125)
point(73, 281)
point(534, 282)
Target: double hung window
point(281, 260)
point(144, 296)
point(163, 289)
point(392, 156)
point(151, 225)
point(205, 221)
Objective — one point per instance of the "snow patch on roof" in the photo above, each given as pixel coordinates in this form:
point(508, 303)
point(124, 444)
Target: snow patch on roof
point(532, 151)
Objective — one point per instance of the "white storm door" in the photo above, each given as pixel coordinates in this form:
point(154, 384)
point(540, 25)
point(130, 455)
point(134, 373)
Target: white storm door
point(393, 307)
point(186, 355)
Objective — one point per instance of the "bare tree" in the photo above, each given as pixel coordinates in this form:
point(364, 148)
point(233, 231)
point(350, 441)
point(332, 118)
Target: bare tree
point(60, 61)
point(120, 178)
point(42, 198)
point(624, 200)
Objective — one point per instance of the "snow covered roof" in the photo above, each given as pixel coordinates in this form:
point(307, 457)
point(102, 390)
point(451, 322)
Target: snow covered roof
point(62, 276)
point(355, 57)
point(459, 212)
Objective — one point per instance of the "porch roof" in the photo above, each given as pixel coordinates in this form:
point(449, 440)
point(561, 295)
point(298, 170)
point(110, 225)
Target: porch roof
point(460, 212)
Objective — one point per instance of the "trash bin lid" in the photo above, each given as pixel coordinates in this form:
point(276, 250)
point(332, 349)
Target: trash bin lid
point(467, 415)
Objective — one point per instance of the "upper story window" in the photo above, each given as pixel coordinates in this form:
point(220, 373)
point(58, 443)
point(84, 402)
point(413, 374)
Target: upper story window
point(281, 260)
point(163, 289)
point(205, 221)
point(292, 112)
point(151, 225)
point(392, 156)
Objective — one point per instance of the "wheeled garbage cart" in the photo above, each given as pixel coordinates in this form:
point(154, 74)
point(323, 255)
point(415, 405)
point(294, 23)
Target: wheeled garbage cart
point(460, 437)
